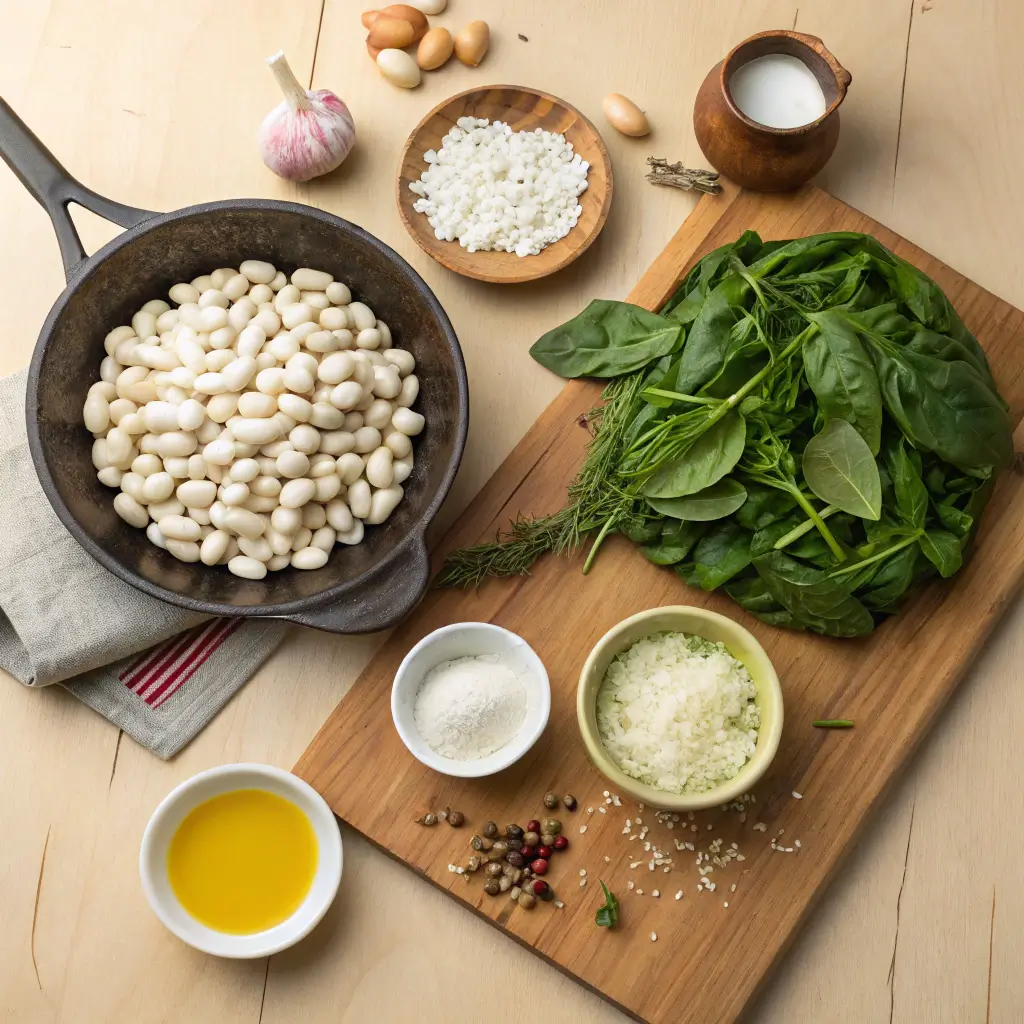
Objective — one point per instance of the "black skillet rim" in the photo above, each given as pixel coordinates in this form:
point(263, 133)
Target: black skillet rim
point(326, 597)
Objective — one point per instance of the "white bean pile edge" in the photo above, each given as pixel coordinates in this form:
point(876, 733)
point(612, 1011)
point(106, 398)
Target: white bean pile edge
point(257, 424)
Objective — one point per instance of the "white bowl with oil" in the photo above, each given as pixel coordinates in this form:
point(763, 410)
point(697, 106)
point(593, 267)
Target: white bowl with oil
point(183, 799)
point(465, 640)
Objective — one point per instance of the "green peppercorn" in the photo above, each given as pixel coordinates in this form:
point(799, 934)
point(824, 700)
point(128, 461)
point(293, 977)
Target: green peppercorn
point(491, 887)
point(547, 839)
point(494, 857)
point(527, 900)
point(568, 800)
point(550, 801)
point(491, 830)
point(552, 826)
point(531, 839)
point(513, 832)
point(477, 843)
point(493, 869)
point(515, 858)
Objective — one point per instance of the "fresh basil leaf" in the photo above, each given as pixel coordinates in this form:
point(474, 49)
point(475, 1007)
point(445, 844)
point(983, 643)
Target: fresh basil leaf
point(710, 457)
point(943, 550)
point(842, 376)
point(840, 469)
point(911, 493)
point(714, 502)
point(607, 339)
point(819, 603)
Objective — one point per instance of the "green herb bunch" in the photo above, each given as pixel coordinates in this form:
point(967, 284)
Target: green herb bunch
point(806, 424)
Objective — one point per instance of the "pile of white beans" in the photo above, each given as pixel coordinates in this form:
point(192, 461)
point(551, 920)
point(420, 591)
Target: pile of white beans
point(257, 424)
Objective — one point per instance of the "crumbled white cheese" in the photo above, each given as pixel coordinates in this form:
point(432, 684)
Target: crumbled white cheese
point(678, 713)
point(492, 188)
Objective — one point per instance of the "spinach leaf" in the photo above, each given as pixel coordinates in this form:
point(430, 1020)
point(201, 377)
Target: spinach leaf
point(607, 339)
point(710, 457)
point(764, 506)
point(813, 599)
point(752, 594)
point(943, 550)
point(842, 376)
point(708, 337)
point(714, 502)
point(839, 469)
point(954, 520)
point(644, 531)
point(674, 544)
point(890, 582)
point(722, 553)
point(911, 494)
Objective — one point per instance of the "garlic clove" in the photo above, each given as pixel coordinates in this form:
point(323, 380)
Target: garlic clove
point(399, 68)
point(368, 18)
point(310, 133)
point(429, 6)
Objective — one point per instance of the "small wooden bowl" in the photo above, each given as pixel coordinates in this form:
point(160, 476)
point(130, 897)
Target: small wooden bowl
point(523, 110)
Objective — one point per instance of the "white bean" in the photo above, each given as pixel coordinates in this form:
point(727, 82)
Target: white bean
point(339, 516)
point(258, 548)
point(214, 547)
point(305, 438)
point(201, 516)
point(345, 339)
point(240, 313)
point(160, 417)
point(246, 567)
point(347, 395)
point(155, 536)
point(265, 361)
point(110, 476)
point(144, 324)
point(353, 421)
point(110, 368)
point(386, 382)
point(213, 297)
point(337, 442)
point(148, 444)
point(309, 558)
point(280, 543)
point(378, 413)
point(298, 380)
point(317, 300)
point(287, 296)
point(409, 391)
point(338, 293)
point(301, 538)
point(405, 421)
point(182, 293)
point(379, 467)
point(130, 510)
point(235, 287)
point(178, 467)
point(336, 367)
point(191, 414)
point(258, 271)
point(188, 313)
point(257, 503)
point(218, 359)
point(245, 470)
point(296, 493)
point(399, 443)
point(220, 452)
point(271, 381)
point(293, 464)
point(250, 341)
point(255, 431)
point(119, 449)
point(327, 417)
point(211, 384)
point(159, 487)
point(96, 413)
point(190, 352)
point(233, 493)
point(162, 509)
point(312, 280)
point(359, 498)
point(362, 316)
point(116, 336)
point(222, 407)
point(176, 443)
point(383, 503)
point(297, 313)
point(268, 321)
point(184, 550)
point(402, 468)
point(286, 520)
point(367, 439)
point(133, 484)
point(223, 337)
point(211, 318)
point(179, 528)
point(260, 294)
point(333, 319)
point(314, 515)
point(284, 422)
point(401, 359)
point(296, 407)
point(353, 536)
point(283, 347)
point(243, 522)
point(147, 465)
point(321, 341)
point(197, 493)
point(368, 338)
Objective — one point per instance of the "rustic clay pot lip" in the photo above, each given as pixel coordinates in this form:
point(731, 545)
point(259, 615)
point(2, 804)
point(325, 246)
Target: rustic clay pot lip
point(798, 37)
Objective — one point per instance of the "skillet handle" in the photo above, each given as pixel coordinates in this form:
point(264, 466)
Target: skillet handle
point(380, 603)
point(41, 173)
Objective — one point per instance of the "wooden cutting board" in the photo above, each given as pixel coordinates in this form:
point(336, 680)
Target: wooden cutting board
point(709, 959)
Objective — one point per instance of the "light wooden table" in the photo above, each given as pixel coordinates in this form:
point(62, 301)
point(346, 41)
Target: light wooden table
point(157, 104)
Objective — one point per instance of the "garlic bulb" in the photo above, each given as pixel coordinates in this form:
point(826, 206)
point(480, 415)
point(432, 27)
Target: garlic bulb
point(307, 135)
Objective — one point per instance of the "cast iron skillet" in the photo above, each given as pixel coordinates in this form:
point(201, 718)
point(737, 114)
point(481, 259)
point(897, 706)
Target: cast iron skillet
point(361, 589)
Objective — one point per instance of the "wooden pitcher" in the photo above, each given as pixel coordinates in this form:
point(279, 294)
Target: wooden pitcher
point(755, 155)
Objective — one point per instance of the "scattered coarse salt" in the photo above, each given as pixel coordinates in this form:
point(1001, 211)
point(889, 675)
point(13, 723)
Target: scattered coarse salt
point(496, 189)
point(583, 828)
point(760, 827)
point(679, 895)
point(654, 936)
point(726, 903)
point(639, 892)
point(583, 882)
point(590, 810)
point(797, 796)
point(796, 843)
point(631, 885)
point(602, 810)
point(583, 872)
point(607, 859)
point(732, 888)
point(559, 904)
point(654, 892)
point(606, 793)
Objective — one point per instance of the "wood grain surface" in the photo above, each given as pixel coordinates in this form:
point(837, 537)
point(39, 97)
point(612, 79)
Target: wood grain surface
point(523, 110)
point(712, 948)
point(158, 105)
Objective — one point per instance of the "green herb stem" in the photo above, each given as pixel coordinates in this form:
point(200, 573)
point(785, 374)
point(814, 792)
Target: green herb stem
point(842, 571)
point(833, 723)
point(805, 527)
point(677, 397)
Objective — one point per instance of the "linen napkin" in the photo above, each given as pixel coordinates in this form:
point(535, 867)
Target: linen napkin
point(156, 671)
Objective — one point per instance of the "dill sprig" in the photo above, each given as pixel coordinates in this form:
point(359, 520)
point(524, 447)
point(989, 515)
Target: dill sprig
point(596, 502)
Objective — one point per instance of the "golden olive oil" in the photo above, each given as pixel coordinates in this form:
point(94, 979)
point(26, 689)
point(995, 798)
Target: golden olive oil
point(243, 861)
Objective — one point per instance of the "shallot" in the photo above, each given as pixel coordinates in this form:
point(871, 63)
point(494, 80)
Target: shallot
point(310, 133)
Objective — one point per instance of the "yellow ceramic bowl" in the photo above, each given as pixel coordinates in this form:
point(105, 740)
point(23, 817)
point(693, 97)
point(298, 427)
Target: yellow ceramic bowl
point(712, 626)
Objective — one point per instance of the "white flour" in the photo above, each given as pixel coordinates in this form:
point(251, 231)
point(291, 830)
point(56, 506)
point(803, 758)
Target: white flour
point(470, 707)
